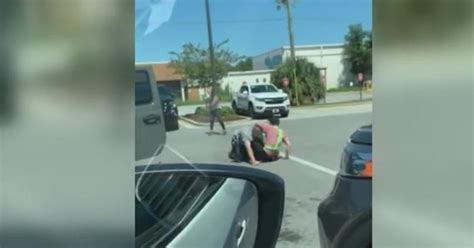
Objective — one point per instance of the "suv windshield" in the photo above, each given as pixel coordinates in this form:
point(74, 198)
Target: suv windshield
point(263, 88)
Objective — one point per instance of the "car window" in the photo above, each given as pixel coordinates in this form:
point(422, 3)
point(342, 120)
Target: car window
point(263, 88)
point(164, 92)
point(243, 89)
point(164, 204)
point(143, 93)
point(298, 69)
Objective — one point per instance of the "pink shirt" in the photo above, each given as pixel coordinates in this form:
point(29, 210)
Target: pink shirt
point(271, 134)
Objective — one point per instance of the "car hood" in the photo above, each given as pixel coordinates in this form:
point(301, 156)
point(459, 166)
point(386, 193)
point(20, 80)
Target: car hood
point(270, 95)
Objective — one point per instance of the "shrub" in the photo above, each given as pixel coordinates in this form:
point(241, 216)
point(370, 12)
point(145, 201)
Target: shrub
point(224, 94)
point(203, 111)
point(310, 88)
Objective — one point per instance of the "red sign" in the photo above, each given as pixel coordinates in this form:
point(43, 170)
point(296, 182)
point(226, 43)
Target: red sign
point(323, 79)
point(360, 76)
point(285, 82)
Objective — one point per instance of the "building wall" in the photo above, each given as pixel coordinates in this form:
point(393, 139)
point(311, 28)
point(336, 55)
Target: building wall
point(267, 61)
point(325, 56)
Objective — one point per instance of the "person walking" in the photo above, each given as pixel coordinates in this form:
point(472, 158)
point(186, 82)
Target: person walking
point(214, 108)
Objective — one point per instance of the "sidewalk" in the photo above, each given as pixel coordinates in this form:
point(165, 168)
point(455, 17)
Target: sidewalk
point(350, 97)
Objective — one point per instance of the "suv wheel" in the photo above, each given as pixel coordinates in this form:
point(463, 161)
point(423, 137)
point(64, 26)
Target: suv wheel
point(234, 107)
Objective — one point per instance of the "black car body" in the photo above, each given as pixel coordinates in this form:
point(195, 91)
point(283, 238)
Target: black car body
point(345, 216)
point(170, 110)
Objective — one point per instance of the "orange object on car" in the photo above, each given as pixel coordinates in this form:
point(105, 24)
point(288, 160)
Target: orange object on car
point(367, 172)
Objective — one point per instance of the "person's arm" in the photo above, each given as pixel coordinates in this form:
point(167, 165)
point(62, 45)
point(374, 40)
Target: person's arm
point(215, 100)
point(207, 101)
point(287, 143)
point(249, 149)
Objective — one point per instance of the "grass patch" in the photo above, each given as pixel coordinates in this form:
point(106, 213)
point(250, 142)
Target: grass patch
point(344, 89)
point(198, 102)
point(186, 103)
point(203, 115)
point(336, 104)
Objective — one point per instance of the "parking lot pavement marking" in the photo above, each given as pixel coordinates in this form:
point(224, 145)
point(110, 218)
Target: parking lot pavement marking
point(313, 165)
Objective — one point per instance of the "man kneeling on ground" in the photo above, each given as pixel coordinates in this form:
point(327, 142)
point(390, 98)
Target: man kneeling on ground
point(260, 143)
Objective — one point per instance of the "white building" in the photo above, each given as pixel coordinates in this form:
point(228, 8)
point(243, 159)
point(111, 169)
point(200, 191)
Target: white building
point(235, 79)
point(328, 56)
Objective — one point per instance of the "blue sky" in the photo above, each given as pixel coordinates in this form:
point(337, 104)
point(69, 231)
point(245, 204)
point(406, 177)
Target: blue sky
point(252, 26)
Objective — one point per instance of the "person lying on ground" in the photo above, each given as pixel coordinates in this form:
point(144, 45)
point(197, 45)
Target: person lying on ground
point(242, 141)
point(260, 143)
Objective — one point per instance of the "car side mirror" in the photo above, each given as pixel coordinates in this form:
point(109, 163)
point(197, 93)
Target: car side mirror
point(207, 205)
point(280, 90)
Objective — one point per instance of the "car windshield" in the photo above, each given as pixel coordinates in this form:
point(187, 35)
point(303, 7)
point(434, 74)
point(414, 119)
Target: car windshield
point(227, 102)
point(263, 88)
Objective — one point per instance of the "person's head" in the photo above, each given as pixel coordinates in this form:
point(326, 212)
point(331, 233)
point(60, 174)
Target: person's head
point(274, 121)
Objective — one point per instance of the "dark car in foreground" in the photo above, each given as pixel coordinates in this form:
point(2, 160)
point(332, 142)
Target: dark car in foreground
point(345, 216)
point(170, 110)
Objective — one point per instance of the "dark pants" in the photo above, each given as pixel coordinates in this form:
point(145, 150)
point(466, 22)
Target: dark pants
point(215, 114)
point(260, 154)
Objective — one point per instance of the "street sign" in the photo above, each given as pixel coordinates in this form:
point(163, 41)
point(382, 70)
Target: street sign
point(360, 77)
point(285, 82)
point(323, 79)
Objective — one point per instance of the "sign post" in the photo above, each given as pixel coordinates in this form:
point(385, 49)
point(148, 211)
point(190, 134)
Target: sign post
point(285, 82)
point(360, 78)
point(323, 83)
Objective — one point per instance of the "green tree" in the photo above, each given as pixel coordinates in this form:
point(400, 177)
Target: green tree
point(358, 49)
point(245, 64)
point(193, 62)
point(308, 76)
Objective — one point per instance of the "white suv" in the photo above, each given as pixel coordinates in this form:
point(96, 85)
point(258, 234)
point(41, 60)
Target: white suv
point(261, 99)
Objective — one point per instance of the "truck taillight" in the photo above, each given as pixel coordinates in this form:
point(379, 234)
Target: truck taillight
point(367, 171)
point(356, 164)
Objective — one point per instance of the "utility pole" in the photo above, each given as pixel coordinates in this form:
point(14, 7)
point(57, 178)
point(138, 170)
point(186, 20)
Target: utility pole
point(292, 47)
point(211, 47)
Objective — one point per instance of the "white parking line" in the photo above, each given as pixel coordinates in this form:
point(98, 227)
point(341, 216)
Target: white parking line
point(313, 165)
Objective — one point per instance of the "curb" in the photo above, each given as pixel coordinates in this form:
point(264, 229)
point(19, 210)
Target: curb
point(205, 124)
point(335, 104)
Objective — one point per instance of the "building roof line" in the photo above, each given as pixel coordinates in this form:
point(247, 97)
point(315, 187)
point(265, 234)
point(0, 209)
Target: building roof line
point(152, 62)
point(315, 46)
point(248, 72)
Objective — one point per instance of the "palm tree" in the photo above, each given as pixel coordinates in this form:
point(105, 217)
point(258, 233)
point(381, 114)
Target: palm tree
point(310, 88)
point(287, 5)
